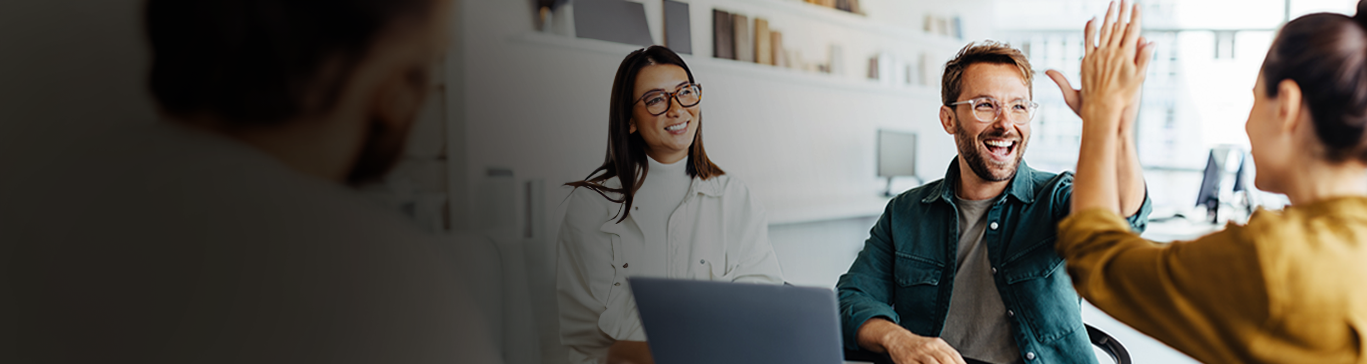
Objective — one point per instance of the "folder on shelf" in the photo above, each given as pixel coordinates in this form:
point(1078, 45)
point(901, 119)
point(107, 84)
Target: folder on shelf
point(764, 52)
point(612, 20)
point(744, 40)
point(722, 38)
point(678, 31)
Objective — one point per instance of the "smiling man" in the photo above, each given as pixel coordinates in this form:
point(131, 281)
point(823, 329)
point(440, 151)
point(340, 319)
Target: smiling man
point(964, 267)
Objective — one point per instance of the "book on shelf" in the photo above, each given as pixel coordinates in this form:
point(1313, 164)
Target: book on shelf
point(836, 63)
point(780, 55)
point(763, 42)
point(722, 37)
point(873, 68)
point(956, 28)
point(744, 42)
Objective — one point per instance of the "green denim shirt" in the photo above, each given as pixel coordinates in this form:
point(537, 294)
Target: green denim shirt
point(905, 272)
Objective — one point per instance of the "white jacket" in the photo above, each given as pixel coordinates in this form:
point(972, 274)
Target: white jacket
point(719, 232)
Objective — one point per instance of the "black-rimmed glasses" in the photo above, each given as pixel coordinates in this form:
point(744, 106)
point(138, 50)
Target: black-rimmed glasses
point(658, 102)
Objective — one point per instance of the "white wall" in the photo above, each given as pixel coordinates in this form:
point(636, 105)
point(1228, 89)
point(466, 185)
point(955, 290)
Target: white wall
point(67, 71)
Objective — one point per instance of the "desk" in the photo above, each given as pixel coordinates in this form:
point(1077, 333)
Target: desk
point(1175, 229)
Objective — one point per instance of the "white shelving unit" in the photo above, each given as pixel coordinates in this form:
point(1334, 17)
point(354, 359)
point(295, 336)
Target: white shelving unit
point(729, 67)
point(802, 140)
point(852, 21)
point(803, 211)
point(809, 29)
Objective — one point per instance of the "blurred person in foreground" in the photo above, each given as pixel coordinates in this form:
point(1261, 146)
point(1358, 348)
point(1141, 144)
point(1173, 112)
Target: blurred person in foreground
point(1287, 287)
point(230, 231)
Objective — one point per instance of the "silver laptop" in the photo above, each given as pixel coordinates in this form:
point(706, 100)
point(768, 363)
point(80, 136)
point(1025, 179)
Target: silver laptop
point(691, 322)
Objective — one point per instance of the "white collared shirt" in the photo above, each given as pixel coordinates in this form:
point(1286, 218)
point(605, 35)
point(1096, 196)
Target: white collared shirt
point(719, 233)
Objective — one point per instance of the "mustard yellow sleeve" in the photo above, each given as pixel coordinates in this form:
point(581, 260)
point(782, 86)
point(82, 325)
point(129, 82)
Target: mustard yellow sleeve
point(1203, 297)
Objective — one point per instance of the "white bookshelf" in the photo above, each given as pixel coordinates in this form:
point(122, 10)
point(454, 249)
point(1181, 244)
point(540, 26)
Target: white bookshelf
point(803, 141)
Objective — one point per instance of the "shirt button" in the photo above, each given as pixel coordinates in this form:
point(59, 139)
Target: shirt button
point(624, 265)
point(617, 284)
point(994, 270)
point(1010, 313)
point(992, 226)
point(1030, 356)
point(704, 261)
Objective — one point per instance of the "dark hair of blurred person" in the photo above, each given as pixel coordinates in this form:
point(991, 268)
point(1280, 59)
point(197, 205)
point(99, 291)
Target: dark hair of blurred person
point(249, 68)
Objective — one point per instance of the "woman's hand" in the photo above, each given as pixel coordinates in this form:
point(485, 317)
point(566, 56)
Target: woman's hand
point(630, 352)
point(1112, 74)
point(1113, 68)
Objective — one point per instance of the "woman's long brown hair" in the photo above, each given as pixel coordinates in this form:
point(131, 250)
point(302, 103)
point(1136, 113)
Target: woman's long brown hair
point(626, 153)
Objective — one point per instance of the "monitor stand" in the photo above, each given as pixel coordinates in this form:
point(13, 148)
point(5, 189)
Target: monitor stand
point(887, 189)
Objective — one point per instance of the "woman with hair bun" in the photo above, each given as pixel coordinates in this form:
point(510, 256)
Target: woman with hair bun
point(1287, 287)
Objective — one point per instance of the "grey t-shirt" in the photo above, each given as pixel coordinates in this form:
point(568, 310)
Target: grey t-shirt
point(977, 325)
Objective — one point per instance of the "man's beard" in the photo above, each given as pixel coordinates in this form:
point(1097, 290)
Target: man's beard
point(971, 153)
point(383, 146)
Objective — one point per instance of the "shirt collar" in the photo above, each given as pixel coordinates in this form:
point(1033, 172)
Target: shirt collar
point(1022, 184)
point(711, 186)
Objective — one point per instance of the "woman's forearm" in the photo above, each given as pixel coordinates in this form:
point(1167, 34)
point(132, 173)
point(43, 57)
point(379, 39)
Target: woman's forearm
point(1095, 185)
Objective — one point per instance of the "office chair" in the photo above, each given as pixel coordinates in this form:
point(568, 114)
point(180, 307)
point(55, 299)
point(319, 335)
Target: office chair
point(1098, 338)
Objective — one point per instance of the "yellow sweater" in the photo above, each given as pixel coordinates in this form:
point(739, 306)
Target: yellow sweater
point(1288, 287)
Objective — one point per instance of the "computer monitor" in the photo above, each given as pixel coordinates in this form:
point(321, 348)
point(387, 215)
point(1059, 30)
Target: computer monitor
point(1212, 181)
point(896, 156)
point(1209, 194)
point(896, 153)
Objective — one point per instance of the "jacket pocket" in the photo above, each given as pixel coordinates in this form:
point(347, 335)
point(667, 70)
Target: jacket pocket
point(1044, 292)
point(917, 284)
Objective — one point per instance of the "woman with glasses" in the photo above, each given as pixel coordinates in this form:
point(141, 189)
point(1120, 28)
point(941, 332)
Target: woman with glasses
point(657, 207)
point(1287, 287)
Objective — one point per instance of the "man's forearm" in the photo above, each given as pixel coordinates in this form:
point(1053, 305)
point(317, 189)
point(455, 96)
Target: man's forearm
point(874, 333)
point(629, 352)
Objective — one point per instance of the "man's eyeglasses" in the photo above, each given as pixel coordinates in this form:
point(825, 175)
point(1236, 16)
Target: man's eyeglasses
point(987, 109)
point(658, 102)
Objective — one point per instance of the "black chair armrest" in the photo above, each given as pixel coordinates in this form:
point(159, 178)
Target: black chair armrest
point(1108, 344)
